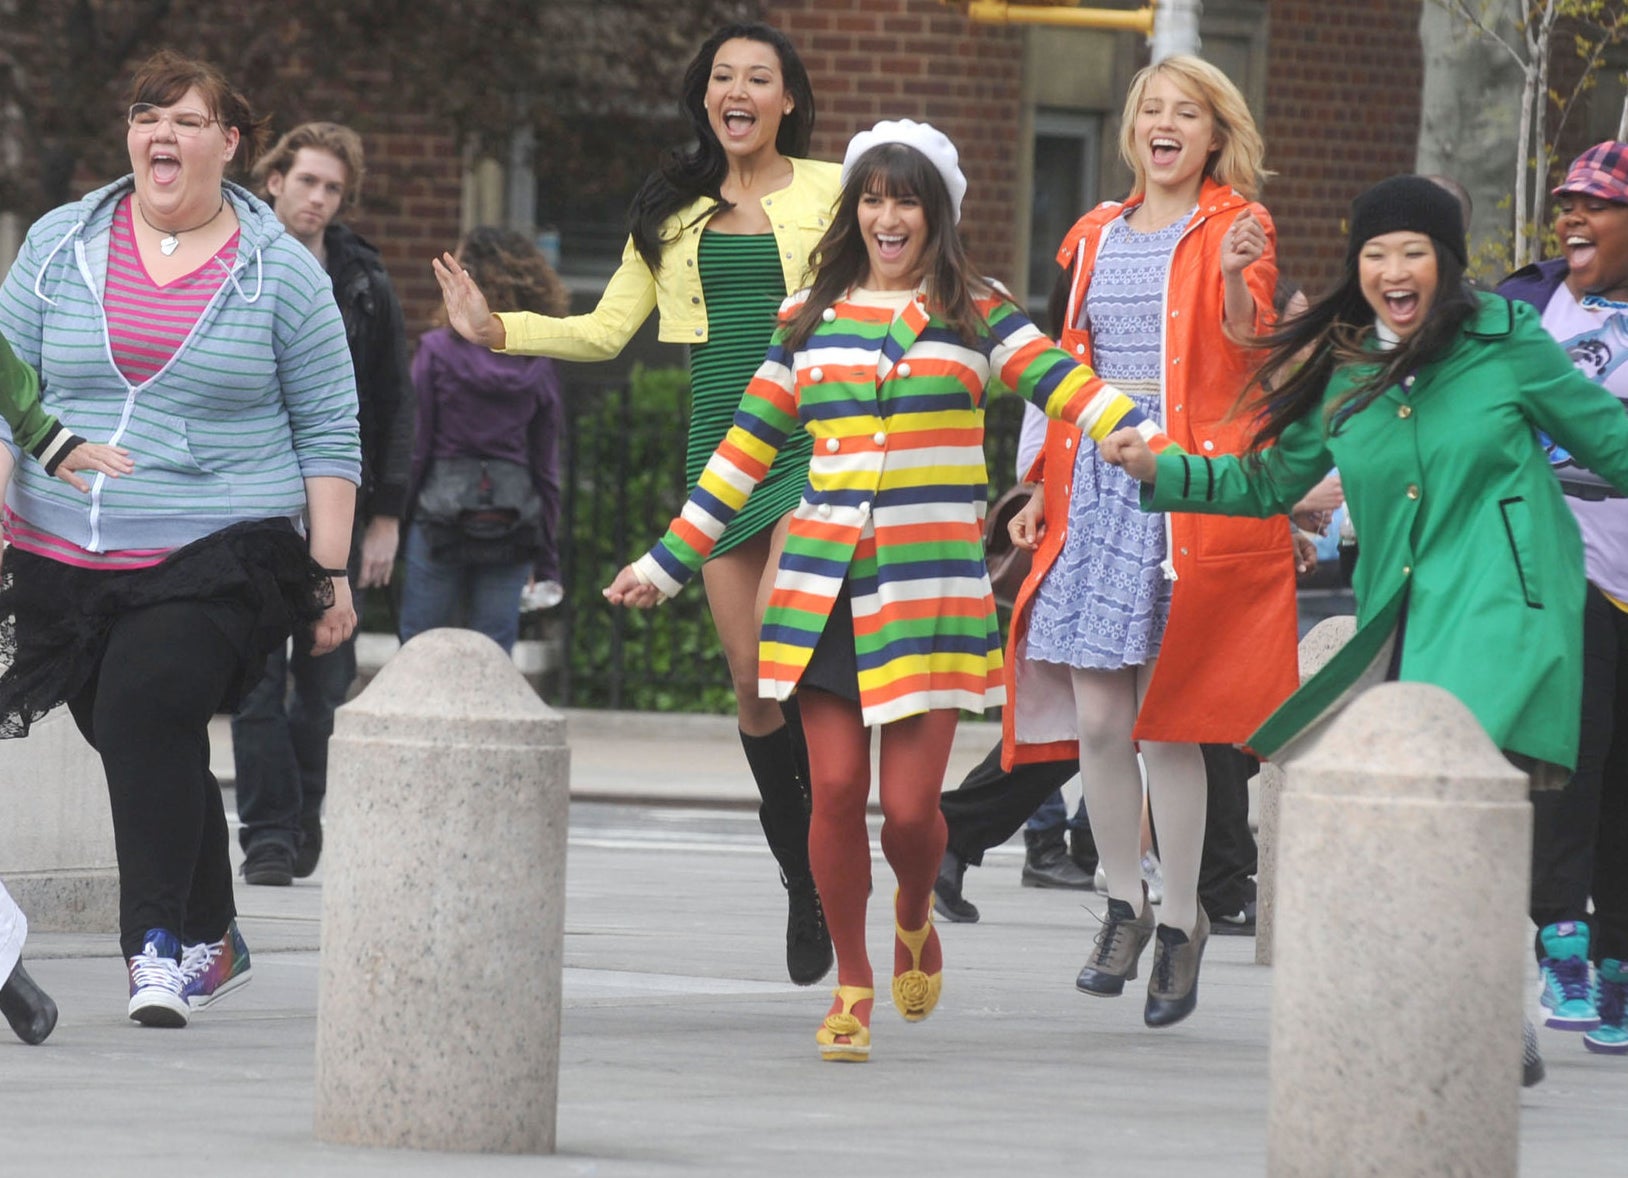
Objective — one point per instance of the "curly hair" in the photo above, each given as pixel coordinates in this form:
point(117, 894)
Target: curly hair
point(511, 272)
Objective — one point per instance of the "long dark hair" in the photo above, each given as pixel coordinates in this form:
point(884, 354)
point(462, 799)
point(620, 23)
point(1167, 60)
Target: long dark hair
point(1332, 333)
point(840, 260)
point(686, 173)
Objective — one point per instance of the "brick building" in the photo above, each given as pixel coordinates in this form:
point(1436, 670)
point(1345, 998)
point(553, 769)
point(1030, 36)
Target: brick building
point(1035, 113)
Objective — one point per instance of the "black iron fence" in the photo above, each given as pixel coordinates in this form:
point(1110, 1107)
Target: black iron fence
point(624, 481)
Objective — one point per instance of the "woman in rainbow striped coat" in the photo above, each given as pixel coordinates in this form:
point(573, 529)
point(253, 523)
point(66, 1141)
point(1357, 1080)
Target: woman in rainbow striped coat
point(881, 613)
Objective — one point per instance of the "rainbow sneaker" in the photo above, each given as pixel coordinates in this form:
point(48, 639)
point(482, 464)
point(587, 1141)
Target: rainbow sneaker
point(213, 969)
point(1564, 970)
point(155, 981)
point(1611, 999)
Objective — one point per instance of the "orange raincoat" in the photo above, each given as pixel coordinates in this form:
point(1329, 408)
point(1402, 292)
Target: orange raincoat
point(1229, 654)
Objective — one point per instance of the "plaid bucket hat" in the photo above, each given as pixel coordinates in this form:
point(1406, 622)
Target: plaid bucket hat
point(1601, 171)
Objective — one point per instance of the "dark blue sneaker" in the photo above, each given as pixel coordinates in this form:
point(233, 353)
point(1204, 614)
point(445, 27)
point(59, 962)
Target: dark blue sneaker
point(213, 969)
point(1611, 999)
point(1564, 969)
point(155, 981)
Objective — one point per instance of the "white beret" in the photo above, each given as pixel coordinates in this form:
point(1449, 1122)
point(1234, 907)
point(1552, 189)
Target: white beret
point(925, 138)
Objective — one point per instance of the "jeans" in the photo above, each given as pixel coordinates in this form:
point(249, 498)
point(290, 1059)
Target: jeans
point(437, 593)
point(1052, 814)
point(280, 741)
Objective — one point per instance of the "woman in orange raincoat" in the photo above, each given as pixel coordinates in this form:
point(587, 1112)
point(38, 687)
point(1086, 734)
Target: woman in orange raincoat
point(1163, 630)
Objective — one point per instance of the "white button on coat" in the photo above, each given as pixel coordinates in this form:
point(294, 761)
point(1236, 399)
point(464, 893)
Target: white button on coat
point(1209, 445)
point(903, 370)
point(832, 445)
point(879, 437)
point(864, 509)
point(825, 510)
point(816, 374)
point(829, 314)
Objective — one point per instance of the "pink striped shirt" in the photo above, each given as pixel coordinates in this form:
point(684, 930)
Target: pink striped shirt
point(146, 325)
point(146, 322)
point(26, 538)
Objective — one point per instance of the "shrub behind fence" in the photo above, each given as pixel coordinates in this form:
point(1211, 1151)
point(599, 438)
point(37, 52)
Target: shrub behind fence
point(623, 465)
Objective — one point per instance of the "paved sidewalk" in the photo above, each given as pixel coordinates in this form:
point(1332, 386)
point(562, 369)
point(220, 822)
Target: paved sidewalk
point(686, 1052)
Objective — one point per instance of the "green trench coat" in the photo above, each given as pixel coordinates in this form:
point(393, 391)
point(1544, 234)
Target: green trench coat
point(1461, 522)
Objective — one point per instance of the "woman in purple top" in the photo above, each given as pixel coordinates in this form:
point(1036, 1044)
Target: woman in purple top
point(484, 500)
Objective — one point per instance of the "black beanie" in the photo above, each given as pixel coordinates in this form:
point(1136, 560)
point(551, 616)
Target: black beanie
point(1408, 204)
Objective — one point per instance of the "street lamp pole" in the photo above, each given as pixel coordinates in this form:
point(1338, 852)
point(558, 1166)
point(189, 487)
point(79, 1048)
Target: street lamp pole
point(1175, 28)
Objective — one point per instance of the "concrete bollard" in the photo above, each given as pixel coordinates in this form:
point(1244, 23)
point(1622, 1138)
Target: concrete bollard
point(1404, 857)
point(443, 908)
point(57, 854)
point(1316, 648)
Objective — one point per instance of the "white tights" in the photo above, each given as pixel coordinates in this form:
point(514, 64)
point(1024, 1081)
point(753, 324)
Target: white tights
point(1106, 703)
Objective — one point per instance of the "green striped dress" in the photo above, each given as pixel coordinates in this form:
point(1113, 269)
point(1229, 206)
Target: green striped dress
point(744, 287)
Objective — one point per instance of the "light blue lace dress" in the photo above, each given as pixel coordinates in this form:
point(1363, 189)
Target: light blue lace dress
point(1104, 603)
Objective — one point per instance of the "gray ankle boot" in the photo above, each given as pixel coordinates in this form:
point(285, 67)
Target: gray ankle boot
point(1173, 988)
point(1119, 946)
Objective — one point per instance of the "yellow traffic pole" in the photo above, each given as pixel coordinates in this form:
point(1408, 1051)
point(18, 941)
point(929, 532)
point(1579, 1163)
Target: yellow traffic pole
point(1062, 14)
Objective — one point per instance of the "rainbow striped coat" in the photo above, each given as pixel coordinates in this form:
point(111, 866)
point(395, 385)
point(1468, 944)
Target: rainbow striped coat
point(896, 493)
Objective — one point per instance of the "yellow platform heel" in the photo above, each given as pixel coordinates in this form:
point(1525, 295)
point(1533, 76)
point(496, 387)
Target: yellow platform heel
point(916, 993)
point(845, 1024)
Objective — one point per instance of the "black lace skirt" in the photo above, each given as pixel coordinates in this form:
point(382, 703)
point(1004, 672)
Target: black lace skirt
point(55, 618)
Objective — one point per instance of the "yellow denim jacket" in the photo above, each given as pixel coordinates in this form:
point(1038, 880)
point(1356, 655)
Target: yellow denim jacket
point(800, 214)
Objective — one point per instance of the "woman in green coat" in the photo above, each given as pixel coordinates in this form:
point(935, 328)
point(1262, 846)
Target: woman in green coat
point(1427, 395)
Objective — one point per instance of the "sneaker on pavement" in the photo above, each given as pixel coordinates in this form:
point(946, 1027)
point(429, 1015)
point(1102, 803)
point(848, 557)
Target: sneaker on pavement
point(1564, 970)
point(1153, 876)
point(948, 901)
point(269, 864)
point(213, 969)
point(1234, 924)
point(1531, 1061)
point(1611, 1000)
point(305, 862)
point(156, 981)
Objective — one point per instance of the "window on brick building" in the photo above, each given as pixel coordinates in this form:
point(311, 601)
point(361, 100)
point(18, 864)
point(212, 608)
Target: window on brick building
point(1067, 145)
point(585, 183)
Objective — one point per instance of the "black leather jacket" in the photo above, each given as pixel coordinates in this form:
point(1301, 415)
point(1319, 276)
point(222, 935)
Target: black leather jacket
point(384, 390)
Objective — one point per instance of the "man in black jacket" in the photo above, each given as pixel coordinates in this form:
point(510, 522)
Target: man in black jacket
point(280, 736)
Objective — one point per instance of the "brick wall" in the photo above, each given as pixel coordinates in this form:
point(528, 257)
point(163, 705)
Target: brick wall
point(889, 59)
point(411, 204)
point(1342, 111)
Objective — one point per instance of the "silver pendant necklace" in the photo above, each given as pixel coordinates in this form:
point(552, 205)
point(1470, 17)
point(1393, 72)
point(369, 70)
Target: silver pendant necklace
point(171, 241)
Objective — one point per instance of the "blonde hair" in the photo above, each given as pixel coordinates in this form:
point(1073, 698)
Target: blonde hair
point(1238, 162)
point(336, 139)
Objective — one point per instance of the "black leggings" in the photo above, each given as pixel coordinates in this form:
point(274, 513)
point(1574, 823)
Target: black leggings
point(1580, 833)
point(166, 670)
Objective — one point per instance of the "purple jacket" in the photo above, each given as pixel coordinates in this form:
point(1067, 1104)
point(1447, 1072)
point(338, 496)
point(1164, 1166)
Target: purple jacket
point(479, 404)
point(1536, 283)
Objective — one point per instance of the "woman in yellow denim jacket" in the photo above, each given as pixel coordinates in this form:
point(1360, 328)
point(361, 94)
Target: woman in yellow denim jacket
point(721, 234)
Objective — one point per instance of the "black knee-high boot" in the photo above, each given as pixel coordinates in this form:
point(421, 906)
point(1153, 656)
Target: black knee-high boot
point(784, 814)
point(27, 1008)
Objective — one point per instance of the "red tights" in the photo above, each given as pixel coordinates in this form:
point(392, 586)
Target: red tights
point(915, 751)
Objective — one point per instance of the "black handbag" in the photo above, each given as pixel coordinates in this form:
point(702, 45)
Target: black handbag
point(480, 511)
